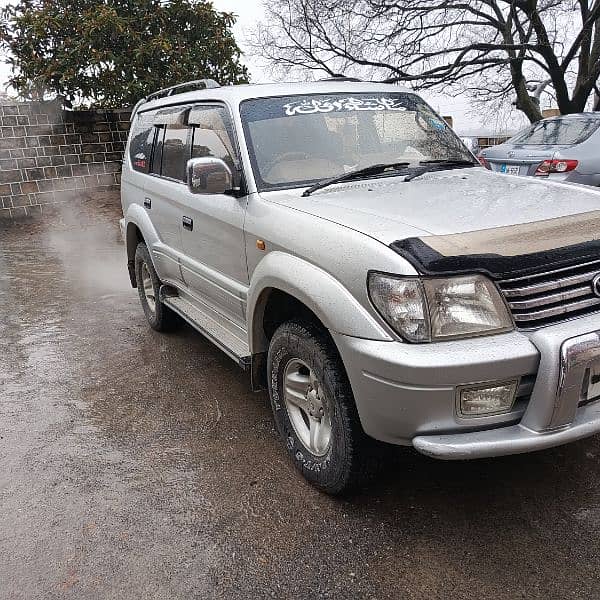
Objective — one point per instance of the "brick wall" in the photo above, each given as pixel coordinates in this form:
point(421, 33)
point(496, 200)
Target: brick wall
point(49, 155)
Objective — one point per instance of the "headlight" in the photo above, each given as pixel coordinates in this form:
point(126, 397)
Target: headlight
point(439, 309)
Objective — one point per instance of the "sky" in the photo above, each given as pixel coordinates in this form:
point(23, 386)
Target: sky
point(250, 12)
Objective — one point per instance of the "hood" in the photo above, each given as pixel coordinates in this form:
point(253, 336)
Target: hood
point(441, 203)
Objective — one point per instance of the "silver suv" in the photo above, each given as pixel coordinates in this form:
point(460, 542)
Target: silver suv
point(339, 241)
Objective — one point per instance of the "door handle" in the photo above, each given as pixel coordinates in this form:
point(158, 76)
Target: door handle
point(188, 223)
point(147, 203)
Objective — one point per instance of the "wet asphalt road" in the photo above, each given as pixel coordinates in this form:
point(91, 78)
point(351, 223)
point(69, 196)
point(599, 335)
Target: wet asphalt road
point(138, 465)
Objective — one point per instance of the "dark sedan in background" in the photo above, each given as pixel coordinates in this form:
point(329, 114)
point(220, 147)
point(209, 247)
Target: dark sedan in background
point(564, 148)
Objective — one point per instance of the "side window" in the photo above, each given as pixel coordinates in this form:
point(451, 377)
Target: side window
point(172, 149)
point(212, 134)
point(176, 152)
point(158, 147)
point(142, 137)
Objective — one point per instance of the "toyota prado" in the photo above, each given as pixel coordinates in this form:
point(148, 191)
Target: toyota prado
point(340, 242)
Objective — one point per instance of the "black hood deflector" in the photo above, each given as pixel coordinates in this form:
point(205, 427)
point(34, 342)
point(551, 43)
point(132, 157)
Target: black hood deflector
point(428, 261)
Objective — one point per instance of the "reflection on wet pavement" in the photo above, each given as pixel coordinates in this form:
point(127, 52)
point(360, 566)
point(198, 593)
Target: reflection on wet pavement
point(138, 465)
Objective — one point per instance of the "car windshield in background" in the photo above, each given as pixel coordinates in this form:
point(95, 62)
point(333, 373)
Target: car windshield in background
point(557, 131)
point(299, 140)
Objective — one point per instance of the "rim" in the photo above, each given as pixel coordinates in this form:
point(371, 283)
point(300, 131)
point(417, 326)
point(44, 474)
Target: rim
point(306, 407)
point(148, 287)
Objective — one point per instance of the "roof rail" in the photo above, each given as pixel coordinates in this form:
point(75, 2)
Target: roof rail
point(197, 84)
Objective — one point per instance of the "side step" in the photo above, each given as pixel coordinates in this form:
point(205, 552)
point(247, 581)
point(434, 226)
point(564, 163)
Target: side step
point(210, 327)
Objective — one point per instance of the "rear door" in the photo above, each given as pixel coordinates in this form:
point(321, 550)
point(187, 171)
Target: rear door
point(163, 191)
point(214, 263)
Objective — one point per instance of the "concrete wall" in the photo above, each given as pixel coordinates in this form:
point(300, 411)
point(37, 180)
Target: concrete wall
point(48, 155)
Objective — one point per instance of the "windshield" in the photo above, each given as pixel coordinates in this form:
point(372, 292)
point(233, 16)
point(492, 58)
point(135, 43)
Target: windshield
point(557, 131)
point(295, 141)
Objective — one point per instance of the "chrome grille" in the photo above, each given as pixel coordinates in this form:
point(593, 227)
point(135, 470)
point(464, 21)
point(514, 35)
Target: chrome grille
point(553, 296)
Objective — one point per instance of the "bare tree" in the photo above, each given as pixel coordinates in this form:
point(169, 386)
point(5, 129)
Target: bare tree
point(492, 49)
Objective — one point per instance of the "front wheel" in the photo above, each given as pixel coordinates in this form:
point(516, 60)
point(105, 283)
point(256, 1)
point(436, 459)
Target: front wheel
point(159, 316)
point(314, 408)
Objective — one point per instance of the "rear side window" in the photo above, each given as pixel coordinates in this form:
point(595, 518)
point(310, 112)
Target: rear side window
point(557, 131)
point(212, 134)
point(175, 152)
point(142, 138)
point(173, 143)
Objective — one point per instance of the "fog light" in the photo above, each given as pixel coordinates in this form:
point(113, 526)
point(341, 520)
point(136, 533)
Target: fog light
point(485, 400)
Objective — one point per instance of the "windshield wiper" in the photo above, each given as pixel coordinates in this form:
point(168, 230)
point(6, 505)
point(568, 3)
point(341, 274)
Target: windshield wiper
point(365, 172)
point(431, 165)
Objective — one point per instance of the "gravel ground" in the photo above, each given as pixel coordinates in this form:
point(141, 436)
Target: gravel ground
point(139, 465)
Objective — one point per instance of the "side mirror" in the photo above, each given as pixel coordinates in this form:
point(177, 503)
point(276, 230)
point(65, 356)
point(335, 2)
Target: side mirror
point(209, 175)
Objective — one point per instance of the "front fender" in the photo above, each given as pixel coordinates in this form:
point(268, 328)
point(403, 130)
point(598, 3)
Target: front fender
point(317, 289)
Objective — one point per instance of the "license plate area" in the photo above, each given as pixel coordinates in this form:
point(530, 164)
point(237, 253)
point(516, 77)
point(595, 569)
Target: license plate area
point(510, 169)
point(579, 378)
point(590, 389)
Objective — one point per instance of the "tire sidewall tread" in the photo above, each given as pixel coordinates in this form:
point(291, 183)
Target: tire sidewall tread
point(162, 318)
point(340, 468)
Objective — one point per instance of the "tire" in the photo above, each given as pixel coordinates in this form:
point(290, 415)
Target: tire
point(159, 316)
point(334, 457)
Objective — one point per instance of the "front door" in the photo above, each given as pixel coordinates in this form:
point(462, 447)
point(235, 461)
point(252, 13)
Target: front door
point(214, 262)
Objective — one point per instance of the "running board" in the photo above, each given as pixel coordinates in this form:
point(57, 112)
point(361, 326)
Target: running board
point(209, 327)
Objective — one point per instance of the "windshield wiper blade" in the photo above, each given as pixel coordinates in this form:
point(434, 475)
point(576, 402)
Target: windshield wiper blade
point(364, 172)
point(430, 165)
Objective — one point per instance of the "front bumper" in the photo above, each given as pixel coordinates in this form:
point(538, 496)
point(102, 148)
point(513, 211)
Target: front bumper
point(516, 439)
point(406, 394)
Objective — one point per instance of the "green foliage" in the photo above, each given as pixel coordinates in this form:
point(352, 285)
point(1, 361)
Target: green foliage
point(113, 52)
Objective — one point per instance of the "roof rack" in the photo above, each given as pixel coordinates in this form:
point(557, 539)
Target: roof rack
point(197, 84)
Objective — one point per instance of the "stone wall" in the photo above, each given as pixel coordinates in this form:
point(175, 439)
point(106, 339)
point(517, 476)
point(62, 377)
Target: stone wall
point(50, 155)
